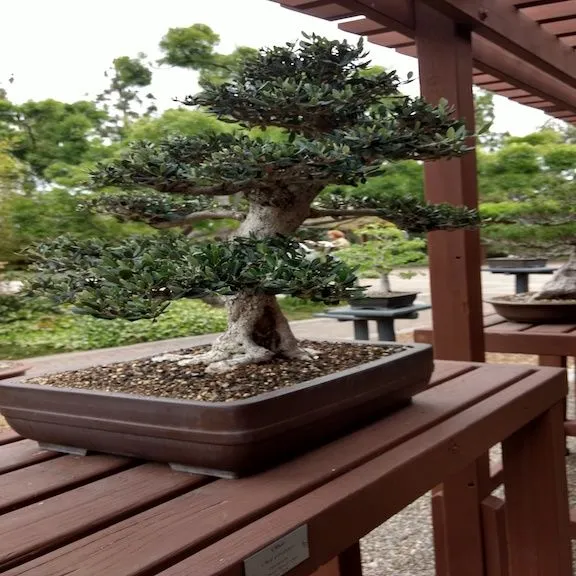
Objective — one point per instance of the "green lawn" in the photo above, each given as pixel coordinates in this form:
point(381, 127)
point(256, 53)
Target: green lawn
point(42, 333)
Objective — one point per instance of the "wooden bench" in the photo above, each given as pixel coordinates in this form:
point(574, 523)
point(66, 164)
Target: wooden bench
point(552, 343)
point(113, 516)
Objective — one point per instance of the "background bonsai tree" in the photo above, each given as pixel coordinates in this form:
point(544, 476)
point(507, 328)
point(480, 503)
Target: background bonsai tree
point(384, 249)
point(552, 222)
point(338, 126)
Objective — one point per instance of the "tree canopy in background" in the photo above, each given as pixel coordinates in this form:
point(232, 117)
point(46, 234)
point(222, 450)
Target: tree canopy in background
point(47, 149)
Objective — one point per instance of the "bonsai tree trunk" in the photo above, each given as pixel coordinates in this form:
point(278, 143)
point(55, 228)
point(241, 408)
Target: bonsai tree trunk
point(257, 329)
point(385, 282)
point(562, 286)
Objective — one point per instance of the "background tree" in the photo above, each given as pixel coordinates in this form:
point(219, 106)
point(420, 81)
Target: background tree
point(122, 100)
point(484, 118)
point(384, 249)
point(528, 187)
point(48, 133)
point(194, 48)
point(315, 91)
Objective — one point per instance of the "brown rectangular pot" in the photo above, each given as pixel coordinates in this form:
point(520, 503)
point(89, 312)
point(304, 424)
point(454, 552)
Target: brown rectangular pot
point(227, 439)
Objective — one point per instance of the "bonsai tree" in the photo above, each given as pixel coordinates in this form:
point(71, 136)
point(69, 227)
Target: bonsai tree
point(562, 286)
point(339, 125)
point(385, 249)
point(552, 225)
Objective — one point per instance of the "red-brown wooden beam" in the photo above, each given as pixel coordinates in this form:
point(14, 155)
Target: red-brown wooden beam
point(445, 70)
point(514, 31)
point(398, 15)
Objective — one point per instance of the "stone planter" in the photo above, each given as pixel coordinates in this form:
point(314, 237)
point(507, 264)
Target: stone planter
point(393, 300)
point(227, 439)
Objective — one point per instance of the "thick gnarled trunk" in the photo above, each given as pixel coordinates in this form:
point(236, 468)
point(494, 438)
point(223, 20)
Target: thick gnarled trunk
point(257, 329)
point(562, 286)
point(257, 332)
point(385, 283)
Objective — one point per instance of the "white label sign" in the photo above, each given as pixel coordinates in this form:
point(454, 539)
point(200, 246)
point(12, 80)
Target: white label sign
point(281, 556)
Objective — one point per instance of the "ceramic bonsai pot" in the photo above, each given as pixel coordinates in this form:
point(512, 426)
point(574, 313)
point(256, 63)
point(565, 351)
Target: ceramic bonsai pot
point(226, 439)
point(507, 263)
point(12, 369)
point(556, 312)
point(392, 300)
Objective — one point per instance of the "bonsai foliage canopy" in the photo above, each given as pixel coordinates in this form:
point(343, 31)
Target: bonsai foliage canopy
point(339, 125)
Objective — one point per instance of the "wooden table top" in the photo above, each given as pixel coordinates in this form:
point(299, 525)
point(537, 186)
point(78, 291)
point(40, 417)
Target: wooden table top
point(516, 338)
point(105, 515)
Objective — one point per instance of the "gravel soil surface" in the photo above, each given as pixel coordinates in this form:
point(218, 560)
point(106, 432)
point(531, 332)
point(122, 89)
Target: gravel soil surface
point(167, 378)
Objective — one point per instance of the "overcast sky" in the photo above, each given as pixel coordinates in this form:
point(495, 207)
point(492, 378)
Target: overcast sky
point(60, 48)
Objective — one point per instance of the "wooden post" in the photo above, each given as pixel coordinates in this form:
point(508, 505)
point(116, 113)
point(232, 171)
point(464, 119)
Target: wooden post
point(445, 65)
point(348, 563)
point(556, 362)
point(495, 540)
point(538, 528)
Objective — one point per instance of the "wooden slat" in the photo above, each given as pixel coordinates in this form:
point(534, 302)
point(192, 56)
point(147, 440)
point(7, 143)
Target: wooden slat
point(391, 39)
point(529, 99)
point(447, 370)
point(406, 471)
point(362, 26)
point(496, 86)
point(534, 465)
point(326, 10)
point(187, 523)
point(495, 542)
point(507, 327)
point(560, 27)
point(482, 79)
point(553, 11)
point(492, 320)
point(47, 479)
point(534, 343)
point(551, 329)
point(29, 531)
point(513, 93)
point(7, 436)
point(22, 453)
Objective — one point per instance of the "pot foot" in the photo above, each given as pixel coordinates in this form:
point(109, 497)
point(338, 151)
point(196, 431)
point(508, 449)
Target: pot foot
point(73, 450)
point(202, 471)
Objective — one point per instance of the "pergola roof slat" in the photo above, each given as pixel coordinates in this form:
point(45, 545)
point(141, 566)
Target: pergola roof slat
point(390, 23)
point(515, 31)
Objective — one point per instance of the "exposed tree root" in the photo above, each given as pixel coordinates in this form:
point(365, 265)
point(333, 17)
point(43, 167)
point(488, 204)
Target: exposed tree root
point(562, 286)
point(257, 333)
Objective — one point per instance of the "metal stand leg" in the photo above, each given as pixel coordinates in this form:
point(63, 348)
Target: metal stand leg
point(386, 330)
point(361, 330)
point(521, 283)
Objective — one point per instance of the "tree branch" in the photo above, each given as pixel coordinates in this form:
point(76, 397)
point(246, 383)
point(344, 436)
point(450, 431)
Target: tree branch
point(189, 189)
point(202, 215)
point(336, 213)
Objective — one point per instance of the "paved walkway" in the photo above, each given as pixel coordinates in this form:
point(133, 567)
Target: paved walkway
point(318, 328)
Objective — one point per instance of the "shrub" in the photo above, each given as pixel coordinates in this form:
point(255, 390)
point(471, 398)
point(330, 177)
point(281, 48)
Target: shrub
point(68, 332)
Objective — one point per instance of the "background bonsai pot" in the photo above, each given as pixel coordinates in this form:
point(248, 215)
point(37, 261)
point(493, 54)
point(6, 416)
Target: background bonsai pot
point(381, 300)
point(539, 311)
point(226, 439)
point(12, 369)
point(510, 262)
